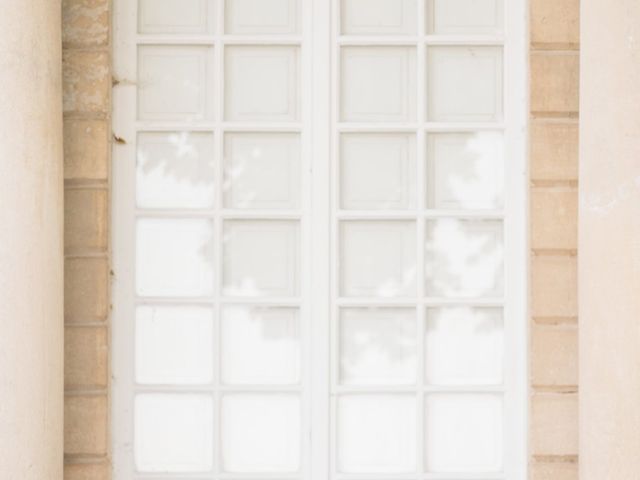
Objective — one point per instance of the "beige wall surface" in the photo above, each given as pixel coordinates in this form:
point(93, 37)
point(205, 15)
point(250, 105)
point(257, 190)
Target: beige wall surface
point(553, 166)
point(30, 241)
point(554, 64)
point(610, 241)
point(87, 154)
point(554, 77)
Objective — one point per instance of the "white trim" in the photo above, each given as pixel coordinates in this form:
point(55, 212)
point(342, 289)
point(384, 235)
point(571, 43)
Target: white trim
point(319, 131)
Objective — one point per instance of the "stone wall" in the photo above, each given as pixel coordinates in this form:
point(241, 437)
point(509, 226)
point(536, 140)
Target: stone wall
point(87, 149)
point(554, 77)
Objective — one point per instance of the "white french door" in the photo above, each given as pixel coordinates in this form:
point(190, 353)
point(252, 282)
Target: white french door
point(319, 240)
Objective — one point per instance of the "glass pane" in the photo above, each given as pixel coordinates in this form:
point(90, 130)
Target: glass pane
point(261, 258)
point(378, 346)
point(175, 170)
point(262, 170)
point(464, 84)
point(173, 433)
point(377, 171)
point(376, 433)
point(463, 346)
point(465, 171)
point(261, 16)
point(260, 346)
point(464, 16)
point(175, 16)
point(174, 345)
point(174, 257)
point(378, 258)
point(464, 258)
point(261, 433)
point(261, 83)
point(463, 433)
point(174, 82)
point(378, 84)
point(379, 17)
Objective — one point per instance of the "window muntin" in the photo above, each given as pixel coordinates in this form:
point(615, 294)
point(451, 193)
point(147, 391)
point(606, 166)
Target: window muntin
point(392, 346)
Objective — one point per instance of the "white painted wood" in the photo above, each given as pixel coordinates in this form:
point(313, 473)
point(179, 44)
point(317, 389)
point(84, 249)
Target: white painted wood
point(332, 195)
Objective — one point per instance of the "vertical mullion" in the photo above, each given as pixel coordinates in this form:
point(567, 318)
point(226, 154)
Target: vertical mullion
point(420, 225)
point(218, 138)
point(321, 302)
point(333, 29)
point(306, 253)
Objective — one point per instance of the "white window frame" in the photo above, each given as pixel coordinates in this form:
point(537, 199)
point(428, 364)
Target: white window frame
point(319, 39)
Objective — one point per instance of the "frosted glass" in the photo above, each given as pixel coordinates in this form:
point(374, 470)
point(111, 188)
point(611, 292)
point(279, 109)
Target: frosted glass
point(173, 345)
point(175, 170)
point(379, 17)
point(377, 171)
point(262, 170)
point(378, 346)
point(464, 433)
point(465, 16)
point(464, 84)
point(174, 257)
point(376, 433)
point(175, 16)
point(261, 257)
point(464, 346)
point(464, 258)
point(378, 258)
point(261, 433)
point(260, 346)
point(378, 84)
point(262, 83)
point(465, 171)
point(173, 433)
point(262, 16)
point(174, 82)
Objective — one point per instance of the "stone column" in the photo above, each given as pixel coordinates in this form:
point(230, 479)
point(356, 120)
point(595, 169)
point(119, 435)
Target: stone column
point(609, 244)
point(31, 272)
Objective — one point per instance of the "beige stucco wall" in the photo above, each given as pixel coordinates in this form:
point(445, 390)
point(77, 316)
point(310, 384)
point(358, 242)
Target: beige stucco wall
point(610, 241)
point(554, 63)
point(31, 359)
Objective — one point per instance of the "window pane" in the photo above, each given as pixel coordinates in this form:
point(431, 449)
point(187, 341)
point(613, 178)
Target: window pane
point(175, 170)
point(464, 16)
point(173, 433)
point(464, 258)
point(261, 16)
point(465, 171)
point(378, 346)
point(261, 433)
point(378, 258)
point(377, 171)
point(262, 171)
point(379, 17)
point(463, 346)
point(174, 257)
point(378, 84)
point(174, 345)
point(260, 346)
point(464, 84)
point(463, 433)
point(261, 83)
point(261, 258)
point(376, 433)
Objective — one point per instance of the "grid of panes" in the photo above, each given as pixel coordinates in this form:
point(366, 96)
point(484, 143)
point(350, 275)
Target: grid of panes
point(418, 217)
point(219, 319)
